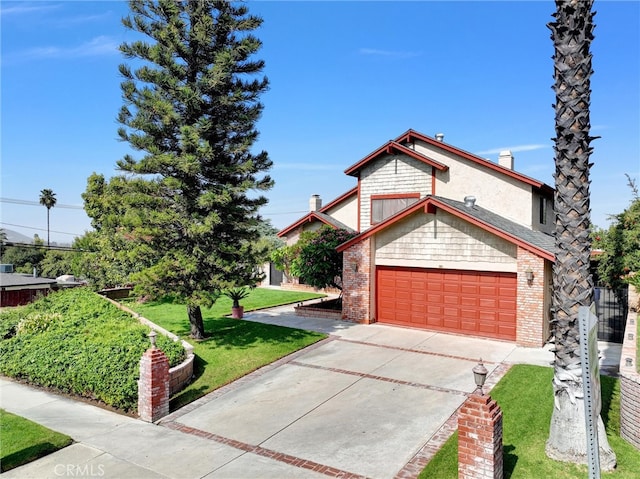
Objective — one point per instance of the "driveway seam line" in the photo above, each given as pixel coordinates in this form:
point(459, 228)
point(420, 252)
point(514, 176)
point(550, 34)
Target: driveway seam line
point(382, 378)
point(410, 350)
point(238, 383)
point(264, 452)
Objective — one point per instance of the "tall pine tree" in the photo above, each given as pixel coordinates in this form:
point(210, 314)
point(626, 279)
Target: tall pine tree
point(191, 106)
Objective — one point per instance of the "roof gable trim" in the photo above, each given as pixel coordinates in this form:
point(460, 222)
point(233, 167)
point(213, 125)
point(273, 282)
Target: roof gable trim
point(429, 205)
point(390, 148)
point(410, 135)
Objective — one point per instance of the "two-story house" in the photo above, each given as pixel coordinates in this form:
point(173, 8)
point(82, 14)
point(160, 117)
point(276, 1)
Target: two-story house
point(448, 241)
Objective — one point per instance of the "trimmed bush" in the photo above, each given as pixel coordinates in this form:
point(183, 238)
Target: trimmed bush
point(77, 342)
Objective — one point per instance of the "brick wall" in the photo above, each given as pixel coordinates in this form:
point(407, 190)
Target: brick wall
point(305, 287)
point(532, 305)
point(357, 278)
point(311, 312)
point(480, 453)
point(629, 377)
point(179, 375)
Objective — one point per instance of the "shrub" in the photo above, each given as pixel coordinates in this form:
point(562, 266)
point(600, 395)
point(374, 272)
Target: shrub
point(9, 319)
point(77, 342)
point(37, 322)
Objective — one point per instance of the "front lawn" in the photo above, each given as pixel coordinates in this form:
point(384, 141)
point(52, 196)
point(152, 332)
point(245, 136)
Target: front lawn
point(23, 441)
point(526, 399)
point(233, 348)
point(172, 315)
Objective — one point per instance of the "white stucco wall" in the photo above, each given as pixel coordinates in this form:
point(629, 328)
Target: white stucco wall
point(388, 175)
point(494, 191)
point(548, 225)
point(443, 241)
point(346, 212)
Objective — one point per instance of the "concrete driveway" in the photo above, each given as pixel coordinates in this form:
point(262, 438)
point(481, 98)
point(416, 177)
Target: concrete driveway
point(371, 401)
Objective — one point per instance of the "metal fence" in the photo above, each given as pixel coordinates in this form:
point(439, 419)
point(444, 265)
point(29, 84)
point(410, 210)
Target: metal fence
point(611, 308)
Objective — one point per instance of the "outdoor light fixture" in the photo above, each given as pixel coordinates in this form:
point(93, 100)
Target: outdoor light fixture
point(529, 275)
point(479, 376)
point(628, 362)
point(152, 338)
point(354, 267)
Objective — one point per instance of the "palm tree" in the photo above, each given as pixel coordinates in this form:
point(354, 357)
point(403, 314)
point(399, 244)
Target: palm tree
point(572, 32)
point(48, 199)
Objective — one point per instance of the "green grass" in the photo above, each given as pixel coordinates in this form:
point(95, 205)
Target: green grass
point(526, 399)
point(233, 348)
point(23, 441)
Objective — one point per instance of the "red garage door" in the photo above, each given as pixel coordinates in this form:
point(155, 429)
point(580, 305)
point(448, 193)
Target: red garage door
point(467, 302)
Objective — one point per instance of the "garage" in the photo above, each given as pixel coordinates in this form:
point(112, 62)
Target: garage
point(474, 303)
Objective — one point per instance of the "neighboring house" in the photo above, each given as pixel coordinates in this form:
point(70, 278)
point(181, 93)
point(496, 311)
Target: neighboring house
point(448, 241)
point(339, 213)
point(17, 289)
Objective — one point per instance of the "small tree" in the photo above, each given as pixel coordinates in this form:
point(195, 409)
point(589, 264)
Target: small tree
point(621, 245)
point(287, 258)
point(320, 264)
point(3, 241)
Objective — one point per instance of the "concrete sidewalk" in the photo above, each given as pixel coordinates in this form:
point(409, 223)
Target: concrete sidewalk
point(371, 401)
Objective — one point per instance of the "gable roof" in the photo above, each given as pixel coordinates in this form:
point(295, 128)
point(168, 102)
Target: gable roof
point(389, 148)
point(321, 215)
point(411, 135)
point(316, 216)
point(537, 242)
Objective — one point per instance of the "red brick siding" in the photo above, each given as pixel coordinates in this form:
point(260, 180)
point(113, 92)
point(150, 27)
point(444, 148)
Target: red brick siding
point(357, 274)
point(531, 301)
point(311, 312)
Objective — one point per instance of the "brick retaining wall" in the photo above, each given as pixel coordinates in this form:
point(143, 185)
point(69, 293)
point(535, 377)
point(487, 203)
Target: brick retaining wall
point(629, 376)
point(311, 312)
point(180, 375)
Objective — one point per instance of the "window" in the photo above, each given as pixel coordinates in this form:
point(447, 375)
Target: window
point(543, 210)
point(384, 206)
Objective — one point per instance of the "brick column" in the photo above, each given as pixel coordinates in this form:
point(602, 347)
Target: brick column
point(153, 385)
point(532, 305)
point(480, 439)
point(357, 275)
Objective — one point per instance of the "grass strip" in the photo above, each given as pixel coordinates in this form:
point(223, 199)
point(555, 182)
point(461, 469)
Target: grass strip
point(526, 399)
point(23, 441)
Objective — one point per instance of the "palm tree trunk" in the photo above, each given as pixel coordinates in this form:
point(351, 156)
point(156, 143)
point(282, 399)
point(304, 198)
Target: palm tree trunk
point(572, 32)
point(48, 240)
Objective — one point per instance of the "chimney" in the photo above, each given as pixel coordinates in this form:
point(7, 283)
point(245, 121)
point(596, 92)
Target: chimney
point(506, 159)
point(315, 203)
point(469, 201)
point(440, 137)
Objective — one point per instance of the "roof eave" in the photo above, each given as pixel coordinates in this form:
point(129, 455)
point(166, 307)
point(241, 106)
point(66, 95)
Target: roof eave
point(430, 204)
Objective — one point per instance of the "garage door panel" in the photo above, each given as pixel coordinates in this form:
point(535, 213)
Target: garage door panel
point(467, 302)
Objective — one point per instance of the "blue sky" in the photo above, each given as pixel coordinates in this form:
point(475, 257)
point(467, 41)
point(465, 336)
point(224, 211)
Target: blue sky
point(345, 78)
